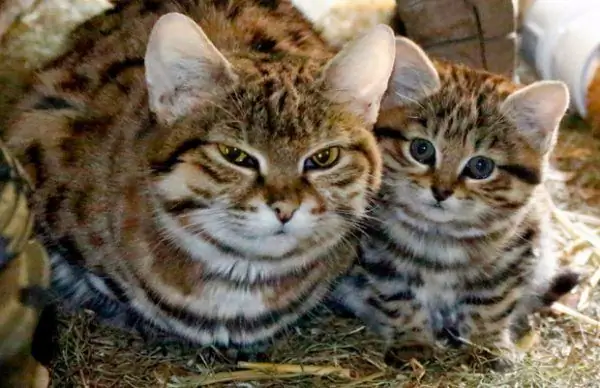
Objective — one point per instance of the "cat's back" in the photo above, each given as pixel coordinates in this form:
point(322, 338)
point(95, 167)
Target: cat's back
point(268, 26)
point(104, 66)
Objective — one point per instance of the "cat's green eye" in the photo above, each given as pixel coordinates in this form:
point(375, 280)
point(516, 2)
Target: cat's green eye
point(237, 156)
point(479, 167)
point(423, 151)
point(324, 158)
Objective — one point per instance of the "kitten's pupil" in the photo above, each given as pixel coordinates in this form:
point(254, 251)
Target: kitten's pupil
point(479, 167)
point(423, 151)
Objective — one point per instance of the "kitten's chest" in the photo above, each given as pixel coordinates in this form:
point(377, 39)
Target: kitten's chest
point(440, 300)
point(438, 293)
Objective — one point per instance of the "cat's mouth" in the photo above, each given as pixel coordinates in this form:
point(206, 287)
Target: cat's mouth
point(439, 213)
point(437, 207)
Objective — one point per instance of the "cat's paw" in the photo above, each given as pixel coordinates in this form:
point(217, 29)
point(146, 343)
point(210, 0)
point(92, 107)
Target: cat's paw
point(502, 364)
point(399, 356)
point(501, 361)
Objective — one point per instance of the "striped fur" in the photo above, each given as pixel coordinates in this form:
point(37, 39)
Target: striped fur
point(148, 225)
point(471, 263)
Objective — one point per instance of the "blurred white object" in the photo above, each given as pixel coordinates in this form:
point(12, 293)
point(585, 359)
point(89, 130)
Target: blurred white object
point(561, 39)
point(341, 20)
point(36, 31)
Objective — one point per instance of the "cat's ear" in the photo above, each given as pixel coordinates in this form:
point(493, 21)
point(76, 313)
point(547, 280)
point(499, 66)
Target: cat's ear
point(537, 110)
point(183, 67)
point(414, 76)
point(358, 75)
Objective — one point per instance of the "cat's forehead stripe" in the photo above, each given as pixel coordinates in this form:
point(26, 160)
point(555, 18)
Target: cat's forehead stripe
point(466, 108)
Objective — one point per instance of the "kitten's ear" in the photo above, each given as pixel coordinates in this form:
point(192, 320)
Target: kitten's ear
point(414, 76)
point(537, 110)
point(358, 75)
point(183, 67)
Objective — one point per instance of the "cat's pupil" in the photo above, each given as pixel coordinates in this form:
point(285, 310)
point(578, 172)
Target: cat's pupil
point(233, 153)
point(322, 159)
point(237, 156)
point(323, 156)
point(479, 167)
point(423, 151)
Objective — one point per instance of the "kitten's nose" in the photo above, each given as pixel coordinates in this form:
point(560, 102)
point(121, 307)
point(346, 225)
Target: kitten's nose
point(441, 195)
point(284, 210)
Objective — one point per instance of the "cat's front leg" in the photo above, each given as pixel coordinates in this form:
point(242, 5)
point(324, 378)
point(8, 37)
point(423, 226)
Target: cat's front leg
point(412, 338)
point(255, 353)
point(389, 310)
point(405, 348)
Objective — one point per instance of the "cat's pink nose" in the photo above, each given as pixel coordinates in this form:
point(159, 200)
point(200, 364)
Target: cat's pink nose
point(284, 211)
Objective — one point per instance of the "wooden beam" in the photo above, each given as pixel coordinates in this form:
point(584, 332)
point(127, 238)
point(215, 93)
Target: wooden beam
point(431, 22)
point(499, 54)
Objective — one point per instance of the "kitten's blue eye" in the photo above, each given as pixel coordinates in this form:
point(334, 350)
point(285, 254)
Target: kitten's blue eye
point(479, 167)
point(423, 151)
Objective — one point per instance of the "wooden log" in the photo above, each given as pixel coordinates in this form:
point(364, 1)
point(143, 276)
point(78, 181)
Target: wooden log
point(431, 22)
point(473, 32)
point(499, 55)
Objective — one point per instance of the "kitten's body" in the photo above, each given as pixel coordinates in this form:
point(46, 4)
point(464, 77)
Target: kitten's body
point(148, 221)
point(450, 258)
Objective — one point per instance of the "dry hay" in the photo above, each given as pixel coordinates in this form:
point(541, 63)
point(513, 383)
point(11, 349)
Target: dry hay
point(337, 352)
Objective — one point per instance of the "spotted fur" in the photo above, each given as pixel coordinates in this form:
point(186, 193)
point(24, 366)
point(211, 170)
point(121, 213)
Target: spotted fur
point(148, 223)
point(452, 259)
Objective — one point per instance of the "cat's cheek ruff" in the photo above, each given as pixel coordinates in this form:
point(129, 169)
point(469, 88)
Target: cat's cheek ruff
point(172, 186)
point(304, 224)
